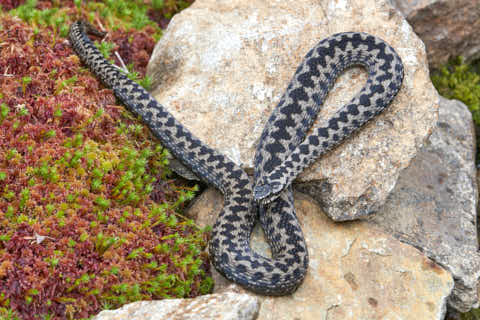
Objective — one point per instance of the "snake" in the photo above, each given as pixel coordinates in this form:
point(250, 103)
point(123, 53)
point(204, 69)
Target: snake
point(287, 146)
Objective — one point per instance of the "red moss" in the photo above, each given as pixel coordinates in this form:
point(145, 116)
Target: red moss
point(55, 224)
point(134, 47)
point(11, 4)
point(163, 16)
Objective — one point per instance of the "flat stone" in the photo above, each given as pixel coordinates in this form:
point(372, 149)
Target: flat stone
point(449, 28)
point(356, 271)
point(228, 305)
point(434, 204)
point(222, 66)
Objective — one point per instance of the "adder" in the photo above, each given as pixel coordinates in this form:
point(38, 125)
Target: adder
point(285, 149)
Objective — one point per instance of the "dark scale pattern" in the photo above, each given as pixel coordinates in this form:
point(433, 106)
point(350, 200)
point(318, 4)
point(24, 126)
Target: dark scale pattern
point(229, 248)
point(276, 169)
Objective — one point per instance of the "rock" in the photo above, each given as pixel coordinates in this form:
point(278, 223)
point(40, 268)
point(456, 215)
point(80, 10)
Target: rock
point(228, 305)
point(356, 271)
point(433, 205)
point(449, 28)
point(222, 66)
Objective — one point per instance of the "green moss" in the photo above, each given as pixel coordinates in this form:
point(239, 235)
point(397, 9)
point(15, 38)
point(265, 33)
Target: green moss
point(105, 48)
point(8, 314)
point(67, 83)
point(461, 81)
point(52, 17)
point(474, 314)
point(25, 81)
point(4, 110)
point(122, 14)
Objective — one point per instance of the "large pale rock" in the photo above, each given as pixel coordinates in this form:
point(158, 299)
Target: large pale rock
point(222, 66)
point(356, 271)
point(449, 28)
point(227, 305)
point(434, 204)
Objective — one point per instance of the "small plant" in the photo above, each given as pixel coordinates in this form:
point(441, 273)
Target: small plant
point(157, 4)
point(65, 84)
point(58, 113)
point(24, 197)
point(8, 314)
point(50, 134)
point(105, 48)
point(4, 110)
point(103, 243)
point(25, 81)
point(146, 82)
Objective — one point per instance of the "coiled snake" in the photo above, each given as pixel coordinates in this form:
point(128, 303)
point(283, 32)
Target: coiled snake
point(284, 150)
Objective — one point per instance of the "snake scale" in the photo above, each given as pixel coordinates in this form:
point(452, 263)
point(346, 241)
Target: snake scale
point(285, 149)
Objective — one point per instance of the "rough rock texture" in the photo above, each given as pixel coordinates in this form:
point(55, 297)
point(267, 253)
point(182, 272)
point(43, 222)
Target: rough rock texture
point(356, 272)
point(433, 205)
point(449, 28)
point(222, 66)
point(227, 305)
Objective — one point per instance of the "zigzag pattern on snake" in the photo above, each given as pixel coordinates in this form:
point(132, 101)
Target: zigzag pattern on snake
point(284, 151)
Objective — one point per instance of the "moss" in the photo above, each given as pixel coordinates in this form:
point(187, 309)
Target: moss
point(472, 315)
point(461, 81)
point(80, 174)
point(8, 314)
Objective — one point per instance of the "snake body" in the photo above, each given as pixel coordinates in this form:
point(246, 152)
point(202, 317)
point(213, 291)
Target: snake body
point(284, 151)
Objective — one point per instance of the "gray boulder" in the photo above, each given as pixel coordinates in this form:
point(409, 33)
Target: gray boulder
point(449, 28)
point(228, 305)
point(433, 205)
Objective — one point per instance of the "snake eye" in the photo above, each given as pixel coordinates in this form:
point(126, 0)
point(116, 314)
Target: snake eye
point(261, 192)
point(267, 193)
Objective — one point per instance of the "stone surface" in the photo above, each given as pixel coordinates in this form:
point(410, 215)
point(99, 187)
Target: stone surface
point(228, 305)
point(222, 65)
point(356, 271)
point(433, 205)
point(449, 28)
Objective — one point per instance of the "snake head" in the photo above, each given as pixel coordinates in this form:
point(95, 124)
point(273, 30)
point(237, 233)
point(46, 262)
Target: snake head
point(266, 193)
